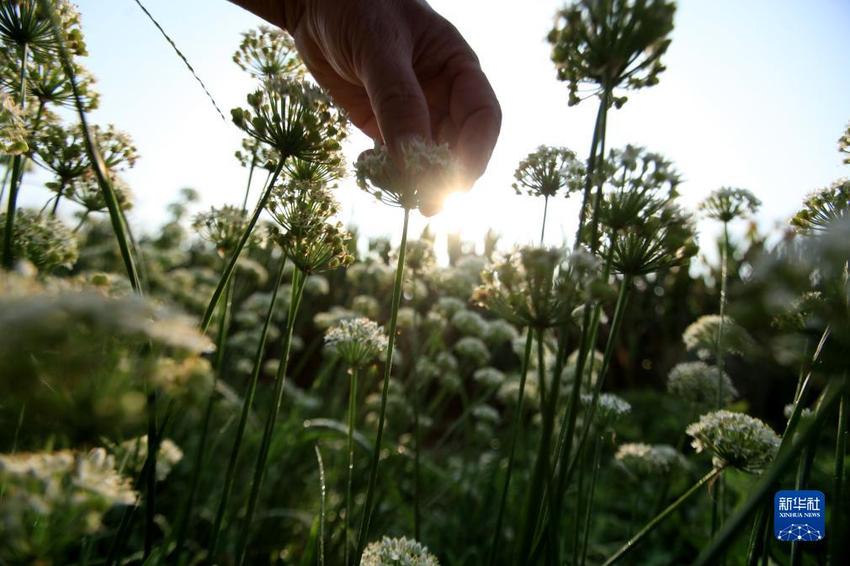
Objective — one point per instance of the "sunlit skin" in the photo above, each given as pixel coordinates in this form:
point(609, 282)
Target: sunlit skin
point(400, 70)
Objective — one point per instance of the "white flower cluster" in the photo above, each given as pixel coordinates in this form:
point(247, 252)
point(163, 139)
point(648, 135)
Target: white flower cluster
point(13, 131)
point(696, 382)
point(470, 323)
point(357, 341)
point(701, 336)
point(610, 407)
point(397, 552)
point(735, 439)
point(649, 460)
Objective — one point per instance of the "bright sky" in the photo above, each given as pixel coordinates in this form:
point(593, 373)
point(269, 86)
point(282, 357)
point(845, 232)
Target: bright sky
point(755, 95)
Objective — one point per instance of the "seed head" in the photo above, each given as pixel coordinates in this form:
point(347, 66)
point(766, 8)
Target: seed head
point(269, 53)
point(356, 341)
point(548, 170)
point(696, 383)
point(660, 242)
point(609, 45)
point(727, 203)
point(397, 552)
point(426, 168)
point(735, 439)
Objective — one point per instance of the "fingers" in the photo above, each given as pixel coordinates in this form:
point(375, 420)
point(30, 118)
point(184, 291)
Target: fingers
point(396, 96)
point(477, 115)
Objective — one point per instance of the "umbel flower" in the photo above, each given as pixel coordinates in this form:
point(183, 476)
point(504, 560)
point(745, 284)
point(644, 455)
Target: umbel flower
point(116, 147)
point(524, 288)
point(823, 207)
point(357, 341)
point(54, 499)
point(302, 211)
point(268, 53)
point(296, 119)
point(646, 461)
point(610, 408)
point(844, 144)
point(223, 227)
point(85, 190)
point(639, 184)
point(24, 22)
point(611, 44)
point(41, 239)
point(48, 83)
point(663, 241)
point(427, 168)
point(131, 455)
point(13, 132)
point(700, 337)
point(735, 439)
point(696, 383)
point(62, 151)
point(727, 203)
point(397, 552)
point(548, 170)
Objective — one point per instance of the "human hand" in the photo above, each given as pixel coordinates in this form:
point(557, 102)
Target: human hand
point(400, 70)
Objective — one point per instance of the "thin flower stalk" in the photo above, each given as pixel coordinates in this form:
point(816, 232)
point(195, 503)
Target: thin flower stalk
point(594, 474)
point(352, 410)
point(150, 476)
point(234, 256)
point(116, 217)
point(221, 340)
point(17, 169)
point(764, 487)
point(363, 534)
point(517, 425)
point(298, 280)
point(658, 519)
point(716, 502)
point(322, 496)
point(836, 550)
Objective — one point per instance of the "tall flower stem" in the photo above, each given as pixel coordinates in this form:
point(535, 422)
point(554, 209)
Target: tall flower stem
point(592, 165)
point(234, 256)
point(417, 471)
point(150, 476)
point(720, 491)
point(322, 497)
point(116, 217)
point(352, 409)
point(17, 171)
point(594, 474)
point(366, 519)
point(517, 425)
point(200, 456)
point(298, 278)
point(545, 212)
point(250, 178)
point(247, 403)
point(765, 484)
point(658, 519)
point(837, 544)
point(59, 193)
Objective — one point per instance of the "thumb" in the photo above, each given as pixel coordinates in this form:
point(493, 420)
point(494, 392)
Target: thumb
point(397, 100)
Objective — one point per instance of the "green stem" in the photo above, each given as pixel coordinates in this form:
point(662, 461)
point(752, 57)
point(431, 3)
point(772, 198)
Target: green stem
point(653, 523)
point(836, 526)
point(59, 192)
point(221, 340)
point(717, 500)
point(417, 468)
point(598, 134)
point(250, 177)
point(352, 409)
point(298, 279)
point(322, 496)
point(597, 454)
point(517, 425)
point(366, 519)
point(247, 403)
point(109, 197)
point(543, 224)
point(150, 476)
point(765, 484)
point(17, 173)
point(234, 257)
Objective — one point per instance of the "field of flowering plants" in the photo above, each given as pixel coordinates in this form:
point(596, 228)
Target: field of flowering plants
point(257, 383)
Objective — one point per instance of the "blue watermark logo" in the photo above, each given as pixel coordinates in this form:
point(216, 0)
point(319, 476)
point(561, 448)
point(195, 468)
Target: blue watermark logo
point(799, 515)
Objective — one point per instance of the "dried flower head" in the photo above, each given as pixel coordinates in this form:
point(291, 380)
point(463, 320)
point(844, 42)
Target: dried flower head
point(13, 132)
point(735, 439)
point(41, 239)
point(727, 203)
point(647, 461)
point(397, 552)
point(609, 45)
point(823, 207)
point(302, 212)
point(53, 499)
point(269, 53)
point(223, 227)
point(696, 383)
point(427, 168)
point(548, 170)
point(700, 337)
point(357, 341)
point(296, 119)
